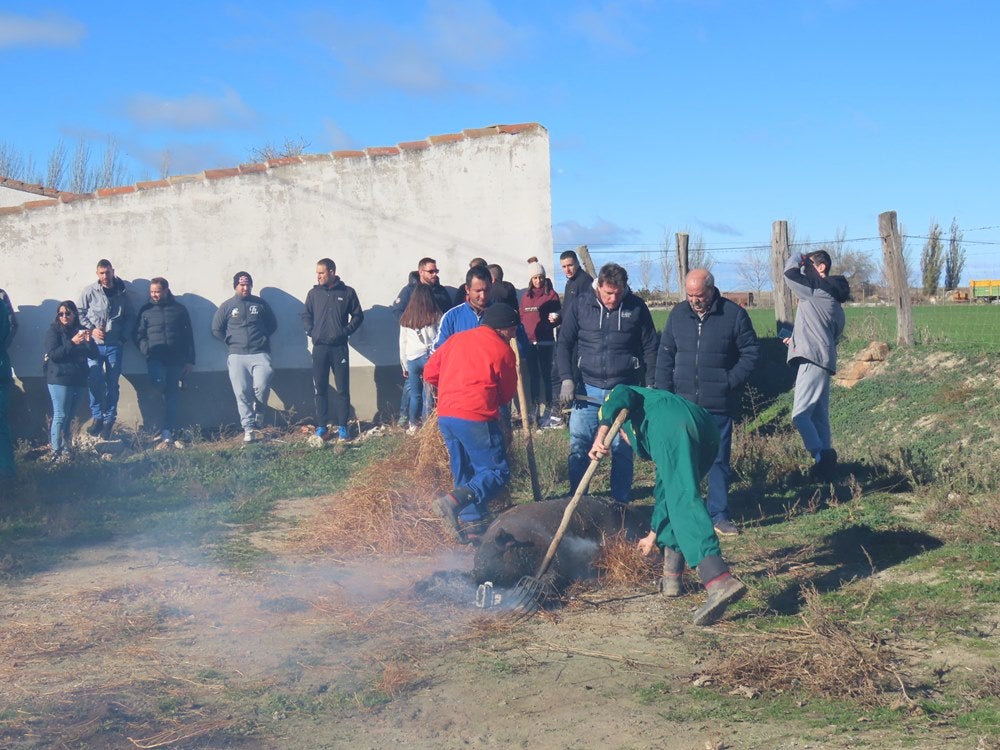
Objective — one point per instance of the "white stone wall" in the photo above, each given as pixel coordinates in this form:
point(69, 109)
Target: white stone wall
point(374, 212)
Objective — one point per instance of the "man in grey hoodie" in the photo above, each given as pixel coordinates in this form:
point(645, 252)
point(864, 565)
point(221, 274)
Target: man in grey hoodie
point(812, 346)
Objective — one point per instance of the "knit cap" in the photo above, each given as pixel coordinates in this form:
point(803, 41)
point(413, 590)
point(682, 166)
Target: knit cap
point(239, 275)
point(500, 315)
point(535, 269)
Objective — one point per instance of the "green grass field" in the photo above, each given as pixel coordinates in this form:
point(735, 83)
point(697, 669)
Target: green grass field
point(967, 327)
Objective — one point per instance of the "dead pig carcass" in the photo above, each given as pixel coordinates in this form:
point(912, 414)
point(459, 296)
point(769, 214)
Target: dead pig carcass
point(516, 542)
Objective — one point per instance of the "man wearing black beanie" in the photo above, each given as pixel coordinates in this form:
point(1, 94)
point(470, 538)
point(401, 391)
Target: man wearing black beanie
point(246, 323)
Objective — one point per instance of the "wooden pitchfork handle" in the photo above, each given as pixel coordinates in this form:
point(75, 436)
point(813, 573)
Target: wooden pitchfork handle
point(580, 490)
point(526, 408)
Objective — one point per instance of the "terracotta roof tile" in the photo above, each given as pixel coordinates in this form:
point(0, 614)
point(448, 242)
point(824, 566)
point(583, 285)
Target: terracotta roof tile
point(111, 191)
point(415, 145)
point(44, 203)
point(446, 138)
point(55, 196)
point(218, 174)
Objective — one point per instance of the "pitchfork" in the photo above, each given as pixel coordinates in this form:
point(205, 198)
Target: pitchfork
point(529, 593)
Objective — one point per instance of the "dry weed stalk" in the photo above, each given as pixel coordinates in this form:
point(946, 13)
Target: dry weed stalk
point(824, 658)
point(619, 563)
point(181, 733)
point(385, 507)
point(397, 678)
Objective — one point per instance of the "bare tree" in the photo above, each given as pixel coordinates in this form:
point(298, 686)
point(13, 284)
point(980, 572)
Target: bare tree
point(79, 171)
point(11, 162)
point(667, 262)
point(754, 269)
point(112, 171)
point(56, 171)
point(165, 159)
point(954, 262)
point(698, 254)
point(270, 151)
point(931, 261)
point(646, 272)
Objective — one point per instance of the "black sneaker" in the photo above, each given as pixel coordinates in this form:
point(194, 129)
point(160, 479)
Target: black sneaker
point(725, 527)
point(95, 428)
point(826, 468)
point(106, 430)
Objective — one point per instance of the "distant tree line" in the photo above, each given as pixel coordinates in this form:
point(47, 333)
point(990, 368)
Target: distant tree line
point(79, 172)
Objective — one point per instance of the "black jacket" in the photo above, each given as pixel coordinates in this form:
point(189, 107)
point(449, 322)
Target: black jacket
point(332, 313)
point(66, 362)
point(164, 333)
point(581, 283)
point(246, 325)
point(441, 297)
point(707, 361)
point(617, 346)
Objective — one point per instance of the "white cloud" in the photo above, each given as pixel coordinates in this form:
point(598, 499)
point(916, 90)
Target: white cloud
point(446, 48)
point(194, 112)
point(48, 31)
point(601, 232)
point(719, 227)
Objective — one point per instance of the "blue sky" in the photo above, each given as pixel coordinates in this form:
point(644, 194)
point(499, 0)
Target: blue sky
point(711, 117)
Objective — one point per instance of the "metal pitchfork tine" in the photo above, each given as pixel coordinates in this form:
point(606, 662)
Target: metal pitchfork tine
point(529, 593)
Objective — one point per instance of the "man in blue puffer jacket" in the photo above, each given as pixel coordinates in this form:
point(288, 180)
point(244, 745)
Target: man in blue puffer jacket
point(707, 351)
point(613, 335)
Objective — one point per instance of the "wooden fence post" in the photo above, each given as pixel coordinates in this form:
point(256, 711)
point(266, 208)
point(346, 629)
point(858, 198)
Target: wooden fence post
point(682, 260)
point(895, 271)
point(782, 294)
point(583, 253)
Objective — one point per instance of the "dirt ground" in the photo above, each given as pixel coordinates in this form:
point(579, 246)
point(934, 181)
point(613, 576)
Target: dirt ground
point(136, 644)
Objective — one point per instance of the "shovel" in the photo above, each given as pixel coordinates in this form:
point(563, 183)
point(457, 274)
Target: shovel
point(529, 593)
point(536, 489)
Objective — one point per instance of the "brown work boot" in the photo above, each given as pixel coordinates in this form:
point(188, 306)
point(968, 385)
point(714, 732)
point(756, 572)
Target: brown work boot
point(673, 569)
point(722, 592)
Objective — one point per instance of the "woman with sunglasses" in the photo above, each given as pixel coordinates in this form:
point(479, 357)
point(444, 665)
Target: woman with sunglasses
point(67, 347)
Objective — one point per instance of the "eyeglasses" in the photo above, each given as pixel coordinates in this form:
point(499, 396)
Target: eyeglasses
point(430, 270)
point(65, 314)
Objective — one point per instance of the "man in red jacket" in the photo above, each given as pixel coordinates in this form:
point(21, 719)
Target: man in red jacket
point(474, 372)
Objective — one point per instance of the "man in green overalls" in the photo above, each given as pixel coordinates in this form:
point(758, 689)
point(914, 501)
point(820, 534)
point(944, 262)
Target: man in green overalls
point(682, 439)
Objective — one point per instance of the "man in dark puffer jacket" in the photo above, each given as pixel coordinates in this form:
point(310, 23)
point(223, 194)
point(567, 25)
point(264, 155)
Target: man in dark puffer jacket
point(166, 340)
point(613, 335)
point(707, 351)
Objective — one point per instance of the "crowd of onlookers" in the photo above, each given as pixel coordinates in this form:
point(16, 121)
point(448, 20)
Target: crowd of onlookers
point(591, 353)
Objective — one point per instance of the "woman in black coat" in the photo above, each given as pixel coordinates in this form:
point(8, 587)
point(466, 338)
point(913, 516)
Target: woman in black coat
point(67, 347)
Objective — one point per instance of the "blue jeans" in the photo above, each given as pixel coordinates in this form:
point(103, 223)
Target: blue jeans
point(582, 430)
point(164, 379)
point(417, 401)
point(720, 472)
point(478, 461)
point(64, 401)
point(103, 382)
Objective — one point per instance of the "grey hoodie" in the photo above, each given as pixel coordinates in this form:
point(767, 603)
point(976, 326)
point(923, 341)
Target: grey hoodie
point(819, 321)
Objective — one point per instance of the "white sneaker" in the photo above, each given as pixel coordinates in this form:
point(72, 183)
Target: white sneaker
point(411, 430)
point(248, 436)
